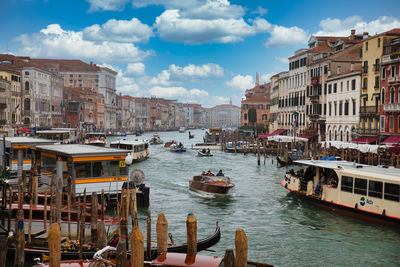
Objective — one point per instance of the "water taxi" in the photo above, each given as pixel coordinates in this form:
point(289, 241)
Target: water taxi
point(91, 167)
point(97, 139)
point(182, 129)
point(26, 144)
point(60, 135)
point(211, 184)
point(139, 150)
point(156, 139)
point(362, 191)
point(177, 148)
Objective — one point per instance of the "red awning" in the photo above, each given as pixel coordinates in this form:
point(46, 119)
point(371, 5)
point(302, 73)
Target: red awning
point(305, 136)
point(276, 132)
point(365, 140)
point(24, 130)
point(391, 140)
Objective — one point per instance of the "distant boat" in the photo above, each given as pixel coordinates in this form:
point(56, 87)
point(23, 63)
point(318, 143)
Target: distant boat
point(97, 139)
point(182, 129)
point(156, 140)
point(191, 135)
point(204, 154)
point(139, 150)
point(211, 184)
point(177, 148)
point(169, 143)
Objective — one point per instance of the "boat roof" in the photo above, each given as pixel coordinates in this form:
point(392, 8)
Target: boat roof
point(53, 131)
point(26, 140)
point(129, 142)
point(77, 150)
point(354, 169)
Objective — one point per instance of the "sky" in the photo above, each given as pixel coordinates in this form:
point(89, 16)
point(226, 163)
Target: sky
point(198, 51)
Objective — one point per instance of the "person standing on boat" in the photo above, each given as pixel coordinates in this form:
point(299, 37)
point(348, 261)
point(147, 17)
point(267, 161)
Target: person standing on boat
point(220, 173)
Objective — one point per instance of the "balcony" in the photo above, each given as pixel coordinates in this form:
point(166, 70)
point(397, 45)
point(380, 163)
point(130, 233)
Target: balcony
point(395, 107)
point(314, 98)
point(3, 122)
point(26, 113)
point(372, 132)
point(18, 94)
point(365, 69)
point(27, 92)
point(313, 116)
point(368, 110)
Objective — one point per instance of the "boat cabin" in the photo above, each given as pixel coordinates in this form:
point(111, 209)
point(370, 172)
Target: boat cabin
point(60, 135)
point(98, 139)
point(373, 190)
point(139, 150)
point(85, 166)
point(10, 147)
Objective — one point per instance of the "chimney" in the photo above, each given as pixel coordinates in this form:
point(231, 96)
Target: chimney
point(91, 63)
point(353, 32)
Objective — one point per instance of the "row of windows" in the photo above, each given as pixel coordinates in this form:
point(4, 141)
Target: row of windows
point(264, 117)
point(371, 188)
point(391, 96)
point(292, 100)
point(298, 63)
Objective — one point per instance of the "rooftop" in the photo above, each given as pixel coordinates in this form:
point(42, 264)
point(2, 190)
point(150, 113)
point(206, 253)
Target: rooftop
point(76, 150)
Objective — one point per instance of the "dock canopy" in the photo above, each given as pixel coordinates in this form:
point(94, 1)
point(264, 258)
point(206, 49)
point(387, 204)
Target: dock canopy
point(365, 140)
point(392, 140)
point(305, 136)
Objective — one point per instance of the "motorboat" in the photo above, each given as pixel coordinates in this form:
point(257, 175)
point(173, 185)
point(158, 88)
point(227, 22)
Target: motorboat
point(204, 153)
point(156, 140)
point(211, 184)
point(97, 139)
point(177, 148)
point(139, 150)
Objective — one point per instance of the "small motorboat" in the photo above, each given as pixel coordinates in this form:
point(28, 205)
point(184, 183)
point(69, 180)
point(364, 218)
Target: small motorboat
point(182, 129)
point(156, 140)
point(177, 148)
point(211, 184)
point(169, 143)
point(204, 154)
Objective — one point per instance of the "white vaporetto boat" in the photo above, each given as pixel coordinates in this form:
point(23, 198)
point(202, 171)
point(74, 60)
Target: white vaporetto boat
point(139, 150)
point(362, 191)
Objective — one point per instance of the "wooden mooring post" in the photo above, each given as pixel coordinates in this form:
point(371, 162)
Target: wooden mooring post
point(3, 250)
point(137, 248)
point(241, 248)
point(93, 218)
point(191, 229)
point(101, 230)
point(148, 238)
point(54, 240)
point(162, 233)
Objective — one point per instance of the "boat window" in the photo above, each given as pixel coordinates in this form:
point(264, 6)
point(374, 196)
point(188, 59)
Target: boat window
point(114, 145)
point(392, 192)
point(48, 164)
point(375, 189)
point(82, 169)
point(116, 170)
point(360, 186)
point(347, 184)
point(100, 168)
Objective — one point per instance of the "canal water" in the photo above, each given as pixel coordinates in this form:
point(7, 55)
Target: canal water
point(282, 229)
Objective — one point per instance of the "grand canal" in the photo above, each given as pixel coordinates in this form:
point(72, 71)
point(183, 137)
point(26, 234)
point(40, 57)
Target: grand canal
point(281, 229)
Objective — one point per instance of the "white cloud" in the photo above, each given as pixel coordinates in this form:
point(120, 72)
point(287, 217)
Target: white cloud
point(283, 36)
point(115, 5)
point(265, 78)
point(172, 26)
point(202, 71)
point(214, 9)
point(119, 31)
point(283, 60)
point(337, 27)
point(135, 69)
point(169, 3)
point(240, 82)
point(169, 92)
point(161, 79)
point(260, 11)
point(53, 41)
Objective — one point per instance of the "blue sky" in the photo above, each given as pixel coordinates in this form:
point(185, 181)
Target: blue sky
point(203, 51)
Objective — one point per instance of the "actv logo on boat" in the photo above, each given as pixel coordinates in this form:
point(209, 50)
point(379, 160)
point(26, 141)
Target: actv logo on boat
point(364, 201)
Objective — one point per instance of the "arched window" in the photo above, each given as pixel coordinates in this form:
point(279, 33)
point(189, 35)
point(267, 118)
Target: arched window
point(392, 95)
point(27, 104)
point(335, 135)
point(383, 96)
point(27, 86)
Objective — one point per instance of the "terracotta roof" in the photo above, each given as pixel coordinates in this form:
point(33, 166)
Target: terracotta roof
point(349, 53)
point(394, 31)
point(64, 64)
point(226, 106)
point(320, 48)
point(330, 39)
point(356, 68)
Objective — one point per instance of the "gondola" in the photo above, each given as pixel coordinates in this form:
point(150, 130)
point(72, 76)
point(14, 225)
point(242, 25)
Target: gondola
point(203, 244)
point(283, 162)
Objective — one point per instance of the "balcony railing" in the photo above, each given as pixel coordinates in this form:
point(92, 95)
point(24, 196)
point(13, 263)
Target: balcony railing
point(314, 97)
point(395, 107)
point(26, 92)
point(361, 131)
point(26, 112)
point(13, 93)
point(369, 110)
point(391, 79)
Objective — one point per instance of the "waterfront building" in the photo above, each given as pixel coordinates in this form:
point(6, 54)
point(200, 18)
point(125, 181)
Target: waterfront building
point(255, 106)
point(343, 85)
point(296, 98)
point(14, 99)
point(283, 108)
point(142, 108)
point(226, 115)
point(372, 51)
point(188, 113)
point(274, 106)
point(390, 88)
point(5, 112)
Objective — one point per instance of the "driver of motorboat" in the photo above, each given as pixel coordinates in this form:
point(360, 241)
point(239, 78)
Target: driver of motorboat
point(208, 151)
point(220, 173)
